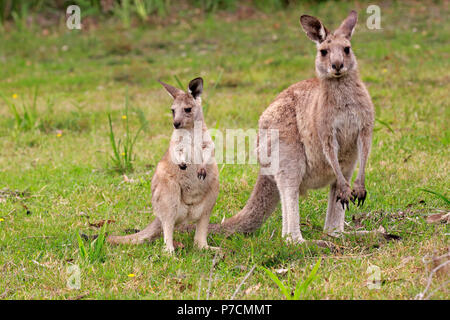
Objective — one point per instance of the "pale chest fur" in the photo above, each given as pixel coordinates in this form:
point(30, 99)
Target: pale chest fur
point(345, 109)
point(190, 149)
point(346, 125)
point(193, 189)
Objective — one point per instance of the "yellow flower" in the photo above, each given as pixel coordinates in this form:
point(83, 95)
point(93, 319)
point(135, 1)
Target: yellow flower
point(131, 275)
point(14, 96)
point(124, 117)
point(385, 70)
point(1, 219)
point(59, 134)
point(123, 153)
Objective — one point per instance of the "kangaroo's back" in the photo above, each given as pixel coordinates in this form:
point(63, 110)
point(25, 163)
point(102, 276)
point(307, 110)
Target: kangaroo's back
point(292, 103)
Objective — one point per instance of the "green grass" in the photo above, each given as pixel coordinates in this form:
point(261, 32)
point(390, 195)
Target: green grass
point(58, 168)
point(95, 250)
point(123, 155)
point(300, 287)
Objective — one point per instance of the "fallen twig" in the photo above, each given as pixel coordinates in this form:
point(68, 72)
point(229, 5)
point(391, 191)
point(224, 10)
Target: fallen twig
point(242, 282)
point(210, 275)
point(199, 289)
point(39, 264)
point(421, 295)
point(4, 294)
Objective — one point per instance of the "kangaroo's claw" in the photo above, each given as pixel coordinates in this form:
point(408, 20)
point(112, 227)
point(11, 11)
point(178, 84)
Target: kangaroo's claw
point(344, 202)
point(360, 195)
point(201, 173)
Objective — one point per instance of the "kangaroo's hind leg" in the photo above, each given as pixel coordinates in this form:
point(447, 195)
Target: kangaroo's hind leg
point(288, 179)
point(203, 211)
point(334, 221)
point(167, 205)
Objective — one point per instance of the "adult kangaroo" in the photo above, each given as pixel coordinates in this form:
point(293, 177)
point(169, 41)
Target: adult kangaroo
point(325, 124)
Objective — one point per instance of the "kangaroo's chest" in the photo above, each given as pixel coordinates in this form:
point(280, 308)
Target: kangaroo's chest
point(346, 126)
point(193, 189)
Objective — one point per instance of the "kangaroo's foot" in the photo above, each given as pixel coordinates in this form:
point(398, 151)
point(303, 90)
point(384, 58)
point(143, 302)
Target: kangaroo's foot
point(169, 249)
point(208, 247)
point(294, 238)
point(319, 243)
point(323, 244)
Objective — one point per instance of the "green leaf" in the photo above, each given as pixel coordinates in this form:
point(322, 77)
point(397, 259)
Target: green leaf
point(301, 287)
point(81, 247)
point(437, 194)
point(280, 285)
point(384, 123)
point(178, 82)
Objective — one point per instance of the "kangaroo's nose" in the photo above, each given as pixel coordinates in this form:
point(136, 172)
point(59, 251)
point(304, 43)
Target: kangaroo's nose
point(337, 66)
point(176, 124)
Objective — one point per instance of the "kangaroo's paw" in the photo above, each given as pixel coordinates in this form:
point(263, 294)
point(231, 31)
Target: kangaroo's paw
point(344, 195)
point(182, 166)
point(359, 192)
point(201, 173)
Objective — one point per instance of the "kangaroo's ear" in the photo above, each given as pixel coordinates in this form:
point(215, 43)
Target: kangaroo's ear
point(348, 25)
point(314, 29)
point(196, 87)
point(173, 92)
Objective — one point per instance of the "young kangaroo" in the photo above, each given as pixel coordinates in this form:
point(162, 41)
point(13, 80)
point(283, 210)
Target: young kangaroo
point(325, 124)
point(186, 181)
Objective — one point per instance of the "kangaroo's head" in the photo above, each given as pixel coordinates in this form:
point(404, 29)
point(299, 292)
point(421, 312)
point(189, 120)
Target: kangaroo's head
point(335, 57)
point(186, 106)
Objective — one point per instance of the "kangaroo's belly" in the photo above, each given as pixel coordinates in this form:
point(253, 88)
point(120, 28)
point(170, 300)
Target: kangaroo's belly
point(319, 172)
point(193, 189)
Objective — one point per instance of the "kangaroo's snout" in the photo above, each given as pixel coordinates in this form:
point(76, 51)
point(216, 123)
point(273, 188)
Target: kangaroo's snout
point(337, 66)
point(176, 124)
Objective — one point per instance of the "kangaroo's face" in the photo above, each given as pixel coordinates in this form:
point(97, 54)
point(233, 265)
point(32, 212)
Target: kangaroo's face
point(186, 107)
point(334, 57)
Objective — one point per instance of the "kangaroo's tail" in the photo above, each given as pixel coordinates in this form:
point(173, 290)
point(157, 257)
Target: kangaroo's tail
point(259, 207)
point(151, 232)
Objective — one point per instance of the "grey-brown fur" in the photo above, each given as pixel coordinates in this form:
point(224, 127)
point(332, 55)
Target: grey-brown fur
point(325, 124)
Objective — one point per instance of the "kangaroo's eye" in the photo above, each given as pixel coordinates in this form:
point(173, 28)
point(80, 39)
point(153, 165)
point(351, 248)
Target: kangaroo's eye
point(324, 52)
point(187, 110)
point(347, 50)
